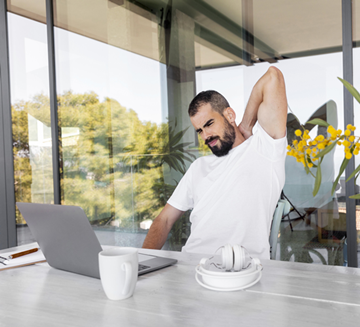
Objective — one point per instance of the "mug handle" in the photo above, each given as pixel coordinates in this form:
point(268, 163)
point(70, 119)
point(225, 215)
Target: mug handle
point(128, 274)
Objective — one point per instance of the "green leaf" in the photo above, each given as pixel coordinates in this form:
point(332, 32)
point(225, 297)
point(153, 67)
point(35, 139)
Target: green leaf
point(327, 149)
point(308, 159)
point(180, 146)
point(170, 161)
point(354, 173)
point(307, 168)
point(190, 157)
point(351, 89)
point(177, 137)
point(318, 121)
point(356, 196)
point(341, 170)
point(317, 180)
point(356, 178)
point(178, 157)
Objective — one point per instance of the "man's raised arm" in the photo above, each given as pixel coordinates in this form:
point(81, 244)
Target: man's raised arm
point(161, 227)
point(268, 105)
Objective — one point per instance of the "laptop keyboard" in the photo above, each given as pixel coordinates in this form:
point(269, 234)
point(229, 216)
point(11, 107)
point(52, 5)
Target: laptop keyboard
point(142, 267)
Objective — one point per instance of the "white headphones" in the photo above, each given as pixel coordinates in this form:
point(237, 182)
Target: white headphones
point(237, 272)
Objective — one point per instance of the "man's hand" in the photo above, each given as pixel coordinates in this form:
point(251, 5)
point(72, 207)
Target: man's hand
point(161, 227)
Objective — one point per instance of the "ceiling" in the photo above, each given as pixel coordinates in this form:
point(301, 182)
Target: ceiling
point(290, 26)
point(283, 28)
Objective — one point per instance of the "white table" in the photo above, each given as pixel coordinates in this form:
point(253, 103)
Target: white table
point(289, 294)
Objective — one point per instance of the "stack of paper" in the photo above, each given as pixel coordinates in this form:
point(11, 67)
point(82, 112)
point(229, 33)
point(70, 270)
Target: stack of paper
point(28, 259)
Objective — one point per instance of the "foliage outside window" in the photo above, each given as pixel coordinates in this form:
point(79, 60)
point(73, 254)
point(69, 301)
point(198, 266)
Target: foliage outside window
point(113, 165)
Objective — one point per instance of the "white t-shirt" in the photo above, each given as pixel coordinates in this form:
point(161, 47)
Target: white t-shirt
point(233, 197)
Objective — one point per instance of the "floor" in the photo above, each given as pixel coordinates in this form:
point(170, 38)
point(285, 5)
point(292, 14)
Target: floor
point(303, 244)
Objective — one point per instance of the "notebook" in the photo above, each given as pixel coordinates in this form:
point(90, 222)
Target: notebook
point(68, 241)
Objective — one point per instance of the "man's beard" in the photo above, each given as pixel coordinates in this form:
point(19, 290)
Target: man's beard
point(226, 143)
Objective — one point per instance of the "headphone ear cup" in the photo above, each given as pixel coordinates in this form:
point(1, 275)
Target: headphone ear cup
point(227, 257)
point(204, 262)
point(243, 257)
point(237, 257)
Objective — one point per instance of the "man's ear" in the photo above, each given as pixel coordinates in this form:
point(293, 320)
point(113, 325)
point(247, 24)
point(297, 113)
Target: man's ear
point(230, 115)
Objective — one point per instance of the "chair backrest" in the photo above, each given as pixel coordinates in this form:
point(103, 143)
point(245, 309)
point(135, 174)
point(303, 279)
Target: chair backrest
point(282, 208)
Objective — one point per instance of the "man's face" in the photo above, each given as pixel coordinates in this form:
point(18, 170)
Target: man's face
point(214, 129)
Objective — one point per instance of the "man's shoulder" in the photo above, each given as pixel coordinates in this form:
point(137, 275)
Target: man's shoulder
point(205, 159)
point(203, 162)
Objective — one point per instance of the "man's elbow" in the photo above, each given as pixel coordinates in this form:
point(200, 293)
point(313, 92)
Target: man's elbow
point(275, 76)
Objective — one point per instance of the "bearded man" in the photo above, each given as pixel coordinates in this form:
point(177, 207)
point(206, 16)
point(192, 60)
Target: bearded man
point(232, 193)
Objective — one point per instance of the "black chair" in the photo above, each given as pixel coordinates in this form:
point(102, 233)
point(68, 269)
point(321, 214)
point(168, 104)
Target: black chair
point(293, 208)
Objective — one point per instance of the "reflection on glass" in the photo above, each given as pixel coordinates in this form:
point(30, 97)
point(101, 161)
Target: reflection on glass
point(356, 81)
point(35, 9)
point(318, 224)
point(123, 150)
point(30, 112)
point(126, 72)
point(317, 230)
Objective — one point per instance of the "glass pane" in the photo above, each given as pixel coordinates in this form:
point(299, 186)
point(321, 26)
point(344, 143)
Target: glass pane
point(30, 115)
point(311, 44)
point(34, 9)
point(125, 80)
point(121, 143)
point(356, 83)
point(282, 30)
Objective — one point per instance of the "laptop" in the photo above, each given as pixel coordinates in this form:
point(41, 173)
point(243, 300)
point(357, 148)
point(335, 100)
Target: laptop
point(68, 241)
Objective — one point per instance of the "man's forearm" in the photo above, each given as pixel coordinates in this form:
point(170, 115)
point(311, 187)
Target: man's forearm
point(157, 235)
point(161, 227)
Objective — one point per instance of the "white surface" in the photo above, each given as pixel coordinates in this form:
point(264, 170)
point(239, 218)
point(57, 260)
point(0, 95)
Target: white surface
point(288, 294)
point(23, 260)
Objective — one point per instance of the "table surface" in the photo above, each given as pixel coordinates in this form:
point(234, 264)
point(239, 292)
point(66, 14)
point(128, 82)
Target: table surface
point(289, 294)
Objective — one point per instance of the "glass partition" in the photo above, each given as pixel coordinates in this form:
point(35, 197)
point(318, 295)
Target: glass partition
point(30, 109)
point(123, 145)
point(290, 37)
point(308, 46)
point(126, 73)
point(356, 83)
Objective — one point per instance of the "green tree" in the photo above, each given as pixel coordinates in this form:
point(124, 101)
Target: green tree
point(112, 164)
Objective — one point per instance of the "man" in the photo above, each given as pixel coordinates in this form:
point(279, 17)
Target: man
point(234, 192)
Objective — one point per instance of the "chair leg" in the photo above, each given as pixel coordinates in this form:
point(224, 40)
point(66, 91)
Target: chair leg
point(288, 216)
point(292, 209)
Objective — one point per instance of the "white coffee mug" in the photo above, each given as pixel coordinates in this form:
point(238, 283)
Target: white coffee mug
point(118, 272)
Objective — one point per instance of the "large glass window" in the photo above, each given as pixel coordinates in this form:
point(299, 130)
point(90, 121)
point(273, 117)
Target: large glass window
point(122, 147)
point(356, 83)
point(126, 73)
point(308, 46)
point(290, 37)
point(30, 110)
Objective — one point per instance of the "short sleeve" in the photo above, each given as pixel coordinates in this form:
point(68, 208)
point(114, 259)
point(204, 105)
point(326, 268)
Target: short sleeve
point(182, 197)
point(272, 149)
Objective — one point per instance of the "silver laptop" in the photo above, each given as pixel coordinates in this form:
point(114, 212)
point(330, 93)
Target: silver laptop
point(68, 241)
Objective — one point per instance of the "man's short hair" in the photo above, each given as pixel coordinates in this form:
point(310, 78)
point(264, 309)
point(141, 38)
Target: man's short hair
point(216, 100)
